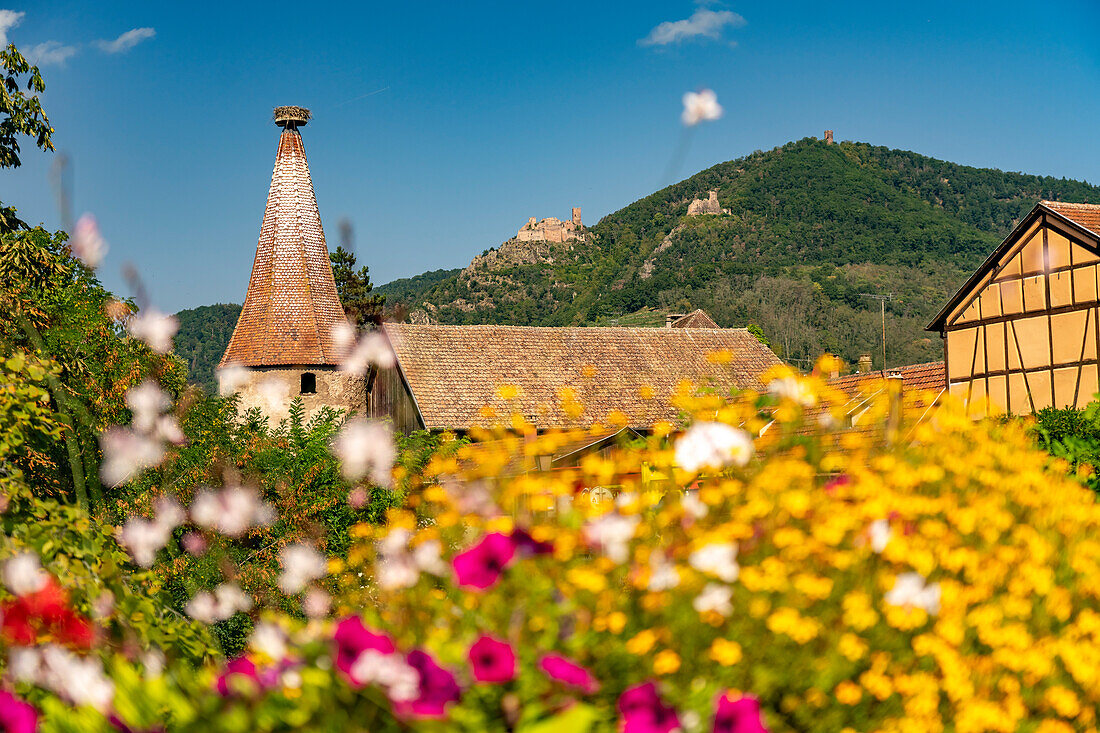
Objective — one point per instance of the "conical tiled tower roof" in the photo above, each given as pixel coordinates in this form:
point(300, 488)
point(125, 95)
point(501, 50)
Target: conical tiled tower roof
point(291, 305)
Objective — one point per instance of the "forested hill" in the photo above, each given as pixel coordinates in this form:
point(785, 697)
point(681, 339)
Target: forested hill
point(811, 227)
point(201, 340)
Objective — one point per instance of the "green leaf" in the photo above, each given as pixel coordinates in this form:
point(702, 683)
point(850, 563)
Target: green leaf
point(577, 719)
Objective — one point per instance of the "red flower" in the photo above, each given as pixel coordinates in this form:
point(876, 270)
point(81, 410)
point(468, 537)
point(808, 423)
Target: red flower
point(481, 566)
point(738, 715)
point(492, 660)
point(643, 712)
point(568, 673)
point(352, 639)
point(44, 613)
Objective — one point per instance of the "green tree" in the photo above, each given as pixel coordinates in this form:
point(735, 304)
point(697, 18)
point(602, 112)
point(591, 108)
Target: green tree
point(354, 287)
point(20, 114)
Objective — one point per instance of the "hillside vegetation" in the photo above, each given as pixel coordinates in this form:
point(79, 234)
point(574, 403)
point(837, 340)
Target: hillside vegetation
point(204, 333)
point(812, 228)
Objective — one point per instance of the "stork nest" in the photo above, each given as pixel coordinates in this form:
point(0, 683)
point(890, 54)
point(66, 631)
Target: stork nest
point(291, 113)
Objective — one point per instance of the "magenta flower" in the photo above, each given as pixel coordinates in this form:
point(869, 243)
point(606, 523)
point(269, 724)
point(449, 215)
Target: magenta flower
point(16, 716)
point(437, 689)
point(492, 660)
point(738, 715)
point(481, 565)
point(352, 639)
point(241, 666)
point(643, 712)
point(573, 675)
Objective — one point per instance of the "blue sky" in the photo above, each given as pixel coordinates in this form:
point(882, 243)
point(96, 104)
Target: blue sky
point(493, 112)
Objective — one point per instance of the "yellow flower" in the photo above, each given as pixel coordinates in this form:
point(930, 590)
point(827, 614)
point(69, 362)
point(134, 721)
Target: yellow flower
point(848, 692)
point(852, 647)
point(586, 579)
point(616, 622)
point(508, 391)
point(641, 642)
point(725, 652)
point(666, 662)
point(1064, 702)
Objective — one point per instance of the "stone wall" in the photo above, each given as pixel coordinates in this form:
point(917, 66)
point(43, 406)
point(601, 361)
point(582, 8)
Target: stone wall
point(273, 388)
point(552, 229)
point(710, 206)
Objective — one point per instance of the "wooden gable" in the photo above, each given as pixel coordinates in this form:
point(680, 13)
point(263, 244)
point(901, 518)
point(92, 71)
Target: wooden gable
point(1022, 333)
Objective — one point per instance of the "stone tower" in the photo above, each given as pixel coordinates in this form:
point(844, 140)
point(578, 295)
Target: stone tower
point(284, 336)
point(577, 216)
point(829, 137)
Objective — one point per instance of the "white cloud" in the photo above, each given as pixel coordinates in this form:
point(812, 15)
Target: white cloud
point(51, 52)
point(703, 23)
point(8, 20)
point(127, 40)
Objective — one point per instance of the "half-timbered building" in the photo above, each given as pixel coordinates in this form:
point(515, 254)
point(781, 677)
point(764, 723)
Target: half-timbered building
point(1022, 334)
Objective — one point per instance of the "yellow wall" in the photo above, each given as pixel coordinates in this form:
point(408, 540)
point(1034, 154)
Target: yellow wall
point(1026, 337)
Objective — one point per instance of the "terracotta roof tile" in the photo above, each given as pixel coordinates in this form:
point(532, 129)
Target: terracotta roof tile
point(930, 375)
point(291, 305)
point(454, 371)
point(1087, 215)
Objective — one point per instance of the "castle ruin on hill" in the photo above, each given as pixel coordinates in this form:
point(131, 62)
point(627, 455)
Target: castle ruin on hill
point(552, 229)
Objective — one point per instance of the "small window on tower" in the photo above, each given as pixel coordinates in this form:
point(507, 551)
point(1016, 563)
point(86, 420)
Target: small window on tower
point(309, 383)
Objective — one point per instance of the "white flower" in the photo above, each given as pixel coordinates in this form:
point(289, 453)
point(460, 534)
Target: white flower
point(714, 597)
point(427, 556)
point(700, 106)
point(23, 574)
point(147, 402)
point(88, 244)
point(662, 573)
point(301, 564)
point(24, 663)
point(125, 453)
point(401, 681)
point(226, 600)
point(372, 350)
point(316, 603)
point(268, 639)
point(911, 589)
point(154, 328)
point(232, 378)
point(365, 447)
point(692, 506)
point(343, 338)
point(793, 389)
point(718, 559)
point(396, 571)
point(880, 534)
point(612, 533)
point(713, 445)
point(275, 394)
point(230, 511)
point(143, 539)
point(78, 679)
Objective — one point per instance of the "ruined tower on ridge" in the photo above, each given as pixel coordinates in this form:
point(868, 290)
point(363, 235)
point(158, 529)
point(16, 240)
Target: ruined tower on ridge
point(284, 336)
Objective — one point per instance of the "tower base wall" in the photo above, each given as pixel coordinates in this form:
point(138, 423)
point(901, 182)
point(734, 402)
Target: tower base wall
point(272, 389)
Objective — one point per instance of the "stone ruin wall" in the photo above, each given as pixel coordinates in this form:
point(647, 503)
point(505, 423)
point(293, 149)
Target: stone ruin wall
point(552, 229)
point(272, 389)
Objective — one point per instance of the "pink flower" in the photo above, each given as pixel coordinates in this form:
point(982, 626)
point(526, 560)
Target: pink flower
point(16, 716)
point(438, 689)
point(643, 712)
point(352, 639)
point(241, 667)
point(492, 660)
point(481, 565)
point(568, 673)
point(738, 715)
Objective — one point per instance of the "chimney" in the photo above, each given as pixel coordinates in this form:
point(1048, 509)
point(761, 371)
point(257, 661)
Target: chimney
point(672, 318)
point(577, 215)
point(864, 364)
point(829, 137)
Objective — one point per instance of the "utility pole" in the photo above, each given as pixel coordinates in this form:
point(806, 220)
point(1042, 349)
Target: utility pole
point(882, 302)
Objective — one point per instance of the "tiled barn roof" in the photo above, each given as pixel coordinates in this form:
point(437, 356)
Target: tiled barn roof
point(291, 305)
point(927, 376)
point(696, 319)
point(1087, 215)
point(454, 371)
